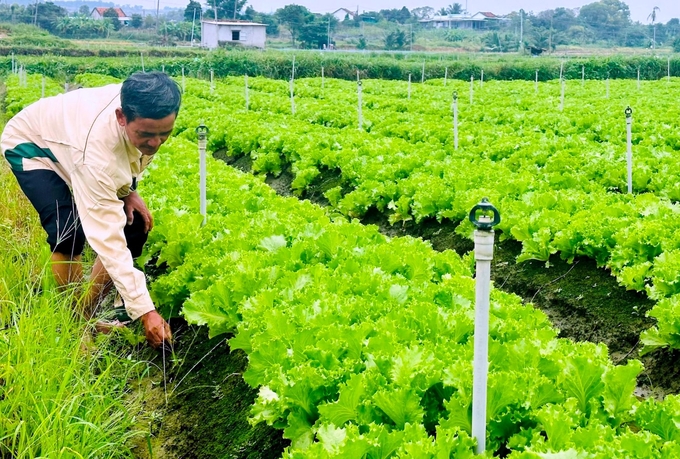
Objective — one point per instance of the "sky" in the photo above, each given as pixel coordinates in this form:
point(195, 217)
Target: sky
point(639, 9)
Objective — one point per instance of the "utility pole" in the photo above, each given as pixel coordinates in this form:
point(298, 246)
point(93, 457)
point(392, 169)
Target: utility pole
point(215, 8)
point(410, 40)
point(193, 24)
point(158, 7)
point(328, 45)
point(521, 29)
point(551, 32)
point(35, 18)
point(235, 3)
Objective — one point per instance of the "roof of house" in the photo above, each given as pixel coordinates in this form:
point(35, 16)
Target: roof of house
point(102, 9)
point(233, 22)
point(477, 17)
point(346, 11)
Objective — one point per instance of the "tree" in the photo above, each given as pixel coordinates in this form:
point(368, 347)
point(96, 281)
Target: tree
point(396, 15)
point(82, 27)
point(673, 28)
point(48, 14)
point(84, 10)
point(607, 18)
point(112, 17)
point(315, 33)
point(424, 12)
point(396, 40)
point(652, 16)
point(263, 18)
point(192, 11)
point(226, 9)
point(294, 17)
point(454, 8)
point(136, 21)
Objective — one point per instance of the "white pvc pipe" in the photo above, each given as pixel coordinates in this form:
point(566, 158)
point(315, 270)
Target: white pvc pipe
point(629, 153)
point(481, 79)
point(562, 95)
point(361, 118)
point(536, 85)
point(322, 78)
point(292, 97)
point(455, 122)
point(202, 141)
point(247, 94)
point(483, 257)
point(422, 75)
point(409, 86)
point(607, 84)
point(472, 89)
point(212, 81)
point(446, 75)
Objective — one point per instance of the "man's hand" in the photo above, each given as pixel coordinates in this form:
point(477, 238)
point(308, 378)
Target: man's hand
point(133, 202)
point(157, 329)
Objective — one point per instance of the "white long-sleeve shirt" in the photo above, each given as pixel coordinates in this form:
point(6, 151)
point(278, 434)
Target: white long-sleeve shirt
point(94, 156)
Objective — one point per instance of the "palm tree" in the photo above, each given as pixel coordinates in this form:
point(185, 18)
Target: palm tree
point(454, 8)
point(652, 16)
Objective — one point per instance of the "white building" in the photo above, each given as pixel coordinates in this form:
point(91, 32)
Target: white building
point(481, 20)
point(216, 33)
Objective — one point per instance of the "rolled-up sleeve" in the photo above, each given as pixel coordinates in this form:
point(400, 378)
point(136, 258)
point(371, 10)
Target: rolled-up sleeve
point(103, 219)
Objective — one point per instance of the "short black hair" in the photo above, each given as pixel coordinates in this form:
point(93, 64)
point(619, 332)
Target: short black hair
point(151, 95)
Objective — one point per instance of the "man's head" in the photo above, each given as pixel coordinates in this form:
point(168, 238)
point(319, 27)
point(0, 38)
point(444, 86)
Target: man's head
point(149, 105)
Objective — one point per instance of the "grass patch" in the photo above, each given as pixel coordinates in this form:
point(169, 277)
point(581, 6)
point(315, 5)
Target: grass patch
point(61, 394)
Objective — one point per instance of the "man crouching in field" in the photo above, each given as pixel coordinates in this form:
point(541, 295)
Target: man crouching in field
point(78, 157)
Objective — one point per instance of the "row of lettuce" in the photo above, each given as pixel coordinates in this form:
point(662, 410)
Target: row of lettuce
point(361, 345)
point(558, 177)
point(64, 64)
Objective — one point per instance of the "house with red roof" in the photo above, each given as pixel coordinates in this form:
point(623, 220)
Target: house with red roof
point(98, 13)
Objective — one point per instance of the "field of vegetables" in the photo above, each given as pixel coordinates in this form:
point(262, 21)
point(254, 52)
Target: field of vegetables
point(360, 344)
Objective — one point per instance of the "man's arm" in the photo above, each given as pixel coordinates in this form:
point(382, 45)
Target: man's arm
point(103, 219)
point(134, 202)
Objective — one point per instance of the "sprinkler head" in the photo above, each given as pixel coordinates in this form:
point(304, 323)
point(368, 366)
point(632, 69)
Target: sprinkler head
point(488, 218)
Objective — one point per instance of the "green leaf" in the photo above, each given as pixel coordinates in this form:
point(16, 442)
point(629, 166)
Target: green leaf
point(620, 384)
point(401, 405)
point(345, 409)
point(273, 243)
point(203, 309)
point(399, 293)
point(331, 437)
point(582, 379)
